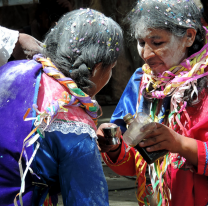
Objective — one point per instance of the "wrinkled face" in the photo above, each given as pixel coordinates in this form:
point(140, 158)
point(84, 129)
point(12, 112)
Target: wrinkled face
point(160, 49)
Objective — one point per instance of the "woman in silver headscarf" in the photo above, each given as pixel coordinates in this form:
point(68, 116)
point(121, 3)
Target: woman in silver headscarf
point(172, 89)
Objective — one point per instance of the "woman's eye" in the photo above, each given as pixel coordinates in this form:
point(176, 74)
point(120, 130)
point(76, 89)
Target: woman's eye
point(142, 44)
point(158, 43)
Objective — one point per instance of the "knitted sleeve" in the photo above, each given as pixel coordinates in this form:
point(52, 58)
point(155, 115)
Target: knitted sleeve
point(125, 164)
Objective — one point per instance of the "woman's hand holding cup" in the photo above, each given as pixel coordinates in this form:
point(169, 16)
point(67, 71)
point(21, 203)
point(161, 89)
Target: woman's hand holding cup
point(102, 143)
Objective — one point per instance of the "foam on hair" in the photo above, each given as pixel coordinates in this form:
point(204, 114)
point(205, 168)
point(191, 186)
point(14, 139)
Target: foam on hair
point(175, 16)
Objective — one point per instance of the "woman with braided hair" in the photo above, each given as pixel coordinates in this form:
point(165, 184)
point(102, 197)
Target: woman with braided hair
point(57, 152)
point(171, 88)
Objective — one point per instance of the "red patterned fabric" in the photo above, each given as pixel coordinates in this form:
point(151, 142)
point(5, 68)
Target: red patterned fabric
point(125, 164)
point(46, 95)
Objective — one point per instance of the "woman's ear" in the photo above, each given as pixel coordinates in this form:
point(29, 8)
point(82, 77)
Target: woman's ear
point(190, 37)
point(96, 68)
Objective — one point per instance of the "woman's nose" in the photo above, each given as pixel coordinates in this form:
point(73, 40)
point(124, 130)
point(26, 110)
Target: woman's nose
point(147, 52)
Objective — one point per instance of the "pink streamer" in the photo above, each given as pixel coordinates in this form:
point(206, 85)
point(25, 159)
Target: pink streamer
point(183, 107)
point(170, 73)
point(165, 77)
point(186, 64)
point(195, 78)
point(180, 79)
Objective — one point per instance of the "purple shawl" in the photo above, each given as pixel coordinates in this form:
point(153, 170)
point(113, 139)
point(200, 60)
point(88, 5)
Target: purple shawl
point(18, 91)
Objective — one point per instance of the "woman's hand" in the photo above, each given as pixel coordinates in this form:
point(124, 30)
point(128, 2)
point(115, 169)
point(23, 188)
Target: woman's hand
point(165, 138)
point(161, 138)
point(102, 140)
point(26, 47)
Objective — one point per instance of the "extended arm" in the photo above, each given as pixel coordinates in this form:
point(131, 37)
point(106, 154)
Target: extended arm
point(124, 164)
point(20, 46)
point(115, 156)
point(26, 46)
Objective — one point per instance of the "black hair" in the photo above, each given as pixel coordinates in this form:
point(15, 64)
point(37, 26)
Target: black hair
point(80, 40)
point(173, 16)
